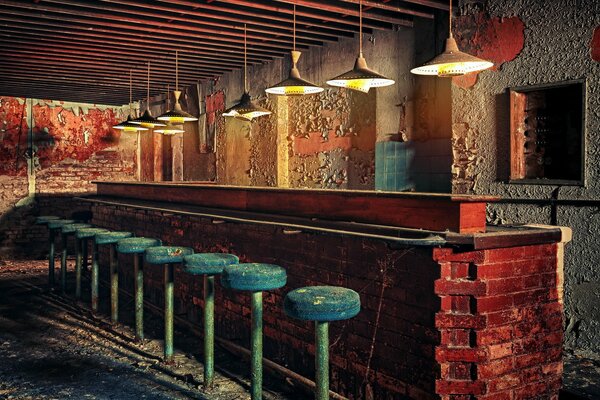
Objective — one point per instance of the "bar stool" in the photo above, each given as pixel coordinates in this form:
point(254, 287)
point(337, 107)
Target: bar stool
point(43, 220)
point(255, 278)
point(208, 265)
point(322, 304)
point(66, 230)
point(84, 234)
point(137, 246)
point(54, 225)
point(167, 256)
point(111, 239)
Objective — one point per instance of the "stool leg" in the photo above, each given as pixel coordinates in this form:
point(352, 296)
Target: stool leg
point(95, 276)
point(51, 235)
point(78, 260)
point(257, 346)
point(63, 265)
point(169, 283)
point(322, 360)
point(84, 251)
point(138, 272)
point(114, 285)
point(209, 329)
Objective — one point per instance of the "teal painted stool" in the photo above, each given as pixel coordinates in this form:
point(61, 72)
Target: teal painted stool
point(111, 239)
point(208, 265)
point(43, 220)
point(137, 246)
point(54, 225)
point(83, 235)
point(167, 256)
point(255, 278)
point(322, 304)
point(66, 231)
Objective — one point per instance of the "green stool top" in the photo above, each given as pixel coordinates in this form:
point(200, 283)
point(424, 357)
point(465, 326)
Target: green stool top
point(71, 228)
point(166, 254)
point(253, 277)
point(135, 245)
point(208, 263)
point(322, 303)
point(87, 233)
point(111, 237)
point(44, 219)
point(58, 223)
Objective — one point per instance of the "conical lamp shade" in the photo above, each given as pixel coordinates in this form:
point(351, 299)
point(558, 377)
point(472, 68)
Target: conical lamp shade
point(128, 126)
point(246, 109)
point(170, 129)
point(361, 77)
point(177, 115)
point(452, 62)
point(147, 120)
point(294, 85)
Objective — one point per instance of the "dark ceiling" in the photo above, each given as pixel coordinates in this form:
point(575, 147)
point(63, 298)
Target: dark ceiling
point(83, 50)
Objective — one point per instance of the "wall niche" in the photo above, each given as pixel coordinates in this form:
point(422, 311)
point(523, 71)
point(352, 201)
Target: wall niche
point(547, 133)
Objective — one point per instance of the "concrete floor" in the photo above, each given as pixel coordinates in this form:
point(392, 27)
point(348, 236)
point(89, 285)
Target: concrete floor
point(52, 347)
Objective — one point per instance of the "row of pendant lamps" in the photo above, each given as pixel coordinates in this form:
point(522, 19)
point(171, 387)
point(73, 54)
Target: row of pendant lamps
point(452, 62)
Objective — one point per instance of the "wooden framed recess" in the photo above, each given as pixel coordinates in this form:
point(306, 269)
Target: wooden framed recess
point(547, 133)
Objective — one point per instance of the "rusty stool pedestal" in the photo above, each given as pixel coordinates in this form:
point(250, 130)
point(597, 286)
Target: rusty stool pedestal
point(208, 265)
point(322, 304)
point(83, 235)
point(137, 246)
point(255, 278)
point(167, 256)
point(54, 225)
point(66, 231)
point(111, 239)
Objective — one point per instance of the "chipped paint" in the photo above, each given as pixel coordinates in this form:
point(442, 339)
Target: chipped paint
point(595, 45)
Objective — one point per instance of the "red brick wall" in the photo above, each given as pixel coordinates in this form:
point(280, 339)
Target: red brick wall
point(439, 324)
point(73, 145)
point(501, 324)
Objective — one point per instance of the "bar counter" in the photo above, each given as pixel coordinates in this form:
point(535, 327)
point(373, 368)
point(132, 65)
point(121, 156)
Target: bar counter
point(450, 306)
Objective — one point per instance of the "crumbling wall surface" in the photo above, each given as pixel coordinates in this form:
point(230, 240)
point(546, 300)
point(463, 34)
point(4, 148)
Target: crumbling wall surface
point(54, 149)
point(559, 40)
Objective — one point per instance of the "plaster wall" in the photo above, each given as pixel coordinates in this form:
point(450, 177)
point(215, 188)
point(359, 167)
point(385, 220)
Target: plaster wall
point(557, 45)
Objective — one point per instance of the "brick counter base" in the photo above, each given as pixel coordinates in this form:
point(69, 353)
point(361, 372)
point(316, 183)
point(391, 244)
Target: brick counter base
point(434, 323)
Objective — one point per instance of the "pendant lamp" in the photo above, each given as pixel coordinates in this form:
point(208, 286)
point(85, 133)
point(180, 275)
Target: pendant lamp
point(127, 125)
point(452, 62)
point(246, 109)
point(361, 77)
point(147, 120)
point(170, 128)
point(294, 85)
point(177, 115)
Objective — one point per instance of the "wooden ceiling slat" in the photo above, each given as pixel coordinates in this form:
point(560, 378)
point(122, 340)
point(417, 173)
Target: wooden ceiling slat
point(385, 6)
point(183, 15)
point(36, 35)
point(78, 16)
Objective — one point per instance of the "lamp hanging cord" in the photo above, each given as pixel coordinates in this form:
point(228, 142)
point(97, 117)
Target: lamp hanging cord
point(450, 19)
point(245, 62)
point(360, 38)
point(294, 19)
point(148, 87)
point(176, 69)
point(130, 92)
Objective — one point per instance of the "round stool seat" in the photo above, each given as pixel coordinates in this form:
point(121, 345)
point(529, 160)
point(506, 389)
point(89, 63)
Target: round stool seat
point(111, 237)
point(86, 233)
point(253, 277)
point(322, 303)
point(166, 254)
point(136, 245)
point(44, 219)
point(71, 228)
point(208, 263)
point(58, 223)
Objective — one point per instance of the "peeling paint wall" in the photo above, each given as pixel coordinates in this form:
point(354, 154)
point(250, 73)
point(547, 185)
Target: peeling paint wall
point(54, 148)
point(532, 43)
